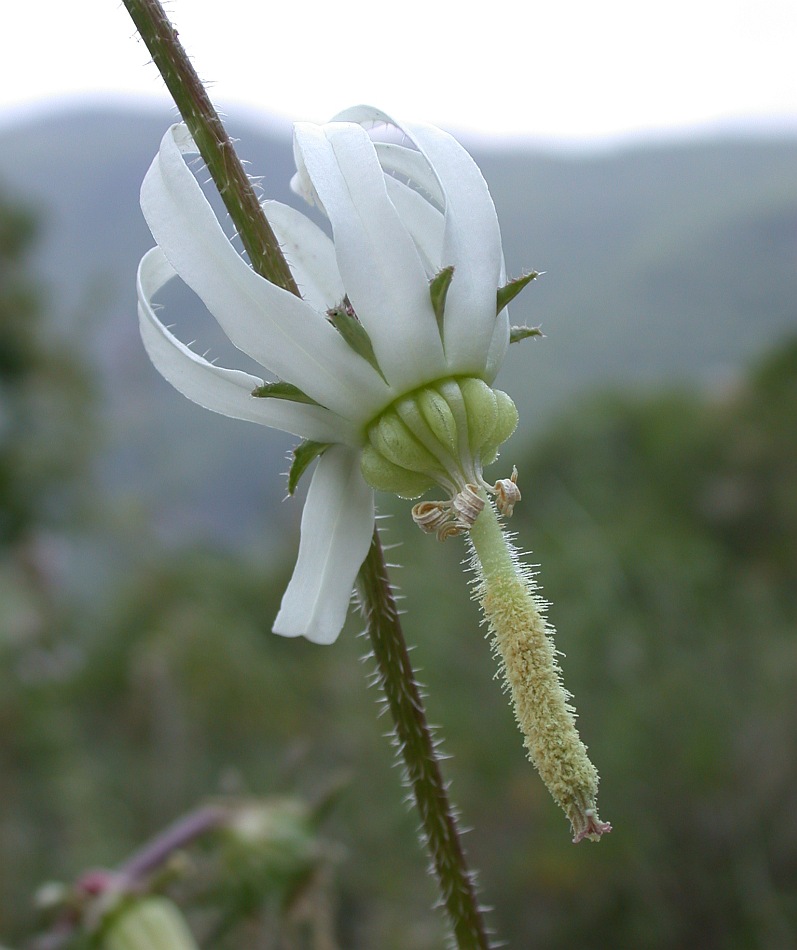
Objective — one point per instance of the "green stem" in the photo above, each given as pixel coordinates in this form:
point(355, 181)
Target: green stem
point(417, 744)
point(211, 138)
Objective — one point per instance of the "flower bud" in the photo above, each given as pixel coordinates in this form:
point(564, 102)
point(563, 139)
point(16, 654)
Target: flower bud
point(149, 923)
point(270, 847)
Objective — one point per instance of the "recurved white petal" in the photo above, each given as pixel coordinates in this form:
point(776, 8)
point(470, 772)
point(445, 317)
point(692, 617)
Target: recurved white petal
point(472, 243)
point(499, 344)
point(300, 182)
point(280, 331)
point(411, 164)
point(226, 391)
point(472, 240)
point(310, 253)
point(337, 525)
point(424, 222)
point(381, 270)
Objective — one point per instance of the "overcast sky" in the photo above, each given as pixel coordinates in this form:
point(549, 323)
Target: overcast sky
point(572, 70)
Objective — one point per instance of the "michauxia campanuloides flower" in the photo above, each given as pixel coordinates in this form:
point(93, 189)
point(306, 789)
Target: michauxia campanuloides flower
point(384, 367)
point(391, 238)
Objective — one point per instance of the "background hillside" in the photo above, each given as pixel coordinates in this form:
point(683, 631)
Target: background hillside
point(663, 264)
point(144, 549)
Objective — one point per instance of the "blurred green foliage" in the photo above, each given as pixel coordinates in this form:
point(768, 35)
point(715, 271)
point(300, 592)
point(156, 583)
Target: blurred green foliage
point(666, 526)
point(44, 395)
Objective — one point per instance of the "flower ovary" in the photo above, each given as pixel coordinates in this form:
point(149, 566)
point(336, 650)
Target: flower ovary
point(441, 434)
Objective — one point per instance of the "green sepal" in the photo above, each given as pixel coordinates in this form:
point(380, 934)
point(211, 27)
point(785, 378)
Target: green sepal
point(303, 455)
point(354, 333)
point(509, 291)
point(282, 390)
point(516, 334)
point(438, 290)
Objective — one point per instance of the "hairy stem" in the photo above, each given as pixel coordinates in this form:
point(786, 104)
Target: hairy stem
point(212, 140)
point(416, 745)
point(396, 674)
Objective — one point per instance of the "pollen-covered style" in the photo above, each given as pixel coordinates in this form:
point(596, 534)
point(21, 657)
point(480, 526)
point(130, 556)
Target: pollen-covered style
point(384, 367)
point(383, 317)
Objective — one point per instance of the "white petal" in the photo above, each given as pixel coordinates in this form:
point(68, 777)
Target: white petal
point(413, 165)
point(498, 346)
point(337, 525)
point(424, 222)
point(364, 113)
point(381, 270)
point(300, 182)
point(472, 244)
point(472, 240)
point(310, 253)
point(226, 391)
point(273, 326)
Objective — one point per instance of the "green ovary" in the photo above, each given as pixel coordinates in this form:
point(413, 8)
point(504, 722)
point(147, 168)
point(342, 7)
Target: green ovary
point(441, 434)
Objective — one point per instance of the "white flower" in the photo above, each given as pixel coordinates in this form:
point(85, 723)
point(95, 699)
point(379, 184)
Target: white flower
point(401, 210)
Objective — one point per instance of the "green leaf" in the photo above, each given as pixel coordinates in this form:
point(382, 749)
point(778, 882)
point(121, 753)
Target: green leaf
point(303, 455)
point(438, 289)
point(523, 333)
point(509, 291)
point(283, 391)
point(345, 321)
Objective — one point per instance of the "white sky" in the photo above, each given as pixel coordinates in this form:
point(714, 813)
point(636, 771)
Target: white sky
point(567, 69)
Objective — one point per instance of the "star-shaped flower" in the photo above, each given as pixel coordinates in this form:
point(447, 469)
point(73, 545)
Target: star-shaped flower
point(397, 335)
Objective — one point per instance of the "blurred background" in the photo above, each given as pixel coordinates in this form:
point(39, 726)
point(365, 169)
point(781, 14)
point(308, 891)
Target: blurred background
point(647, 162)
